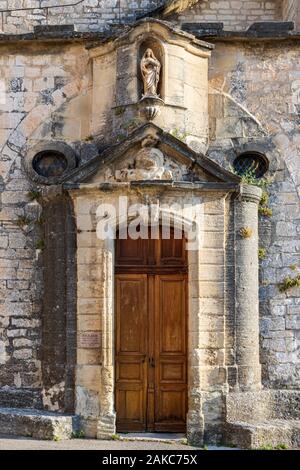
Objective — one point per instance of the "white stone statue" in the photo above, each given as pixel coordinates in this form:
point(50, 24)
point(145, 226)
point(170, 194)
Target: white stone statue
point(150, 68)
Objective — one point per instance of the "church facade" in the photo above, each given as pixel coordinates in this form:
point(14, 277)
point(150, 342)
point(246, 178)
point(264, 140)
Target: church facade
point(149, 220)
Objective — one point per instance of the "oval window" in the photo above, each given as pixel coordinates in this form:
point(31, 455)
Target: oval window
point(50, 163)
point(251, 163)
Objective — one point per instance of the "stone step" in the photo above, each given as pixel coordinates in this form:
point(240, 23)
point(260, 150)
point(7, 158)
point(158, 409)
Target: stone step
point(38, 424)
point(277, 433)
point(166, 437)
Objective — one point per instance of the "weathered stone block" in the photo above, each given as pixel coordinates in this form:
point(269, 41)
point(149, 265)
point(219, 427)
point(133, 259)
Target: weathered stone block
point(37, 424)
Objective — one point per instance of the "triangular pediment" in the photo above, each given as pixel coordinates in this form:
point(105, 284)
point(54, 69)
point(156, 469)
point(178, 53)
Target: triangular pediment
point(150, 154)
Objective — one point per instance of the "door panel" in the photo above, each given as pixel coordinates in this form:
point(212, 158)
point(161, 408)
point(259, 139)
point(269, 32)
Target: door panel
point(172, 252)
point(171, 410)
point(131, 349)
point(171, 313)
point(131, 252)
point(170, 353)
point(151, 375)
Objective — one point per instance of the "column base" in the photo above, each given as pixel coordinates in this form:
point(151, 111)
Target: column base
point(106, 426)
point(195, 428)
point(249, 377)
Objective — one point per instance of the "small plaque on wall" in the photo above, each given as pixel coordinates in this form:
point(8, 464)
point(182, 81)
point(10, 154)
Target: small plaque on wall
point(89, 340)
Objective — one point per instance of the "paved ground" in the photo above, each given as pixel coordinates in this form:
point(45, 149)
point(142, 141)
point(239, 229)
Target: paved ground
point(9, 443)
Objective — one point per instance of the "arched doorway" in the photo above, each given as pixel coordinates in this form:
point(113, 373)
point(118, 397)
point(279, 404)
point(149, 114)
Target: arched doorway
point(151, 334)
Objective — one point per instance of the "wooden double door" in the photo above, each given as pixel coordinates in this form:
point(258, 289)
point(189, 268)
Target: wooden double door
point(151, 335)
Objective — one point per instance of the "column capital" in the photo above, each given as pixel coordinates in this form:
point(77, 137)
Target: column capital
point(250, 193)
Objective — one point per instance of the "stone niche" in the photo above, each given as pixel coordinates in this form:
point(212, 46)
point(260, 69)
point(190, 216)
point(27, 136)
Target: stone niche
point(181, 107)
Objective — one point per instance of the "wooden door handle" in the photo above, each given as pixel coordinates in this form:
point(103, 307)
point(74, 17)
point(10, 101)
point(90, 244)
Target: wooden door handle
point(151, 361)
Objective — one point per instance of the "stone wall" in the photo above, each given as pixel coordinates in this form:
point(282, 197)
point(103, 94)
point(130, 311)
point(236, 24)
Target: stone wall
point(254, 105)
point(37, 82)
point(59, 327)
point(86, 15)
point(47, 95)
point(236, 15)
point(96, 15)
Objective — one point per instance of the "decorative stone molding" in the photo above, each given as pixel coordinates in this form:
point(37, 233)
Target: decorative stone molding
point(61, 148)
point(161, 29)
point(264, 147)
point(150, 107)
point(100, 255)
point(176, 76)
point(250, 193)
point(148, 164)
point(177, 6)
point(137, 170)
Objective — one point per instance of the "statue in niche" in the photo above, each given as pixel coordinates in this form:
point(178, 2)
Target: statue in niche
point(150, 69)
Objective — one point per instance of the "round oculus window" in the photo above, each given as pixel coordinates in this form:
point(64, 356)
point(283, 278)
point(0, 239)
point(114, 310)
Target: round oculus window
point(251, 163)
point(50, 164)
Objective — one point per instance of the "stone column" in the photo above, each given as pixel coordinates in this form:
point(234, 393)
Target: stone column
point(107, 419)
point(246, 279)
point(195, 418)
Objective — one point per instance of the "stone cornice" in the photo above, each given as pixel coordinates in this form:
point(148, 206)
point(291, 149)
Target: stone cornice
point(195, 33)
point(163, 30)
point(159, 184)
point(262, 31)
point(166, 140)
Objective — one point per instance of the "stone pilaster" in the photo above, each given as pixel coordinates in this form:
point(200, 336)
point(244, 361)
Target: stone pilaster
point(107, 419)
point(247, 302)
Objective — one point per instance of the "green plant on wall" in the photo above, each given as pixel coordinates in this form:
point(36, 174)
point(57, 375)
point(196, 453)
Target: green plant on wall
point(289, 283)
point(264, 208)
point(179, 135)
point(249, 177)
point(34, 195)
point(264, 200)
point(78, 434)
point(40, 244)
point(131, 125)
point(271, 447)
point(262, 253)
point(120, 110)
point(120, 137)
point(23, 221)
point(40, 221)
point(265, 211)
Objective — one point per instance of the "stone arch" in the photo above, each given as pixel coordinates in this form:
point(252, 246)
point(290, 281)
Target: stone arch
point(107, 418)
